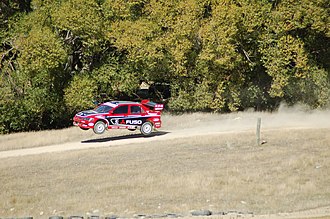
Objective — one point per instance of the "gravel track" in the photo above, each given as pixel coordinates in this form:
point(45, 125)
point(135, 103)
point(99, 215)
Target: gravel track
point(185, 127)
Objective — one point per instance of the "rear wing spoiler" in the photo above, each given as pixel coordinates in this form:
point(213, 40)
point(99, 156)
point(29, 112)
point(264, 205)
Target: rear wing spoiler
point(153, 105)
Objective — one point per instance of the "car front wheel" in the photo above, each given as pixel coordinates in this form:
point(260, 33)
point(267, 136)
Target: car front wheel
point(99, 127)
point(146, 128)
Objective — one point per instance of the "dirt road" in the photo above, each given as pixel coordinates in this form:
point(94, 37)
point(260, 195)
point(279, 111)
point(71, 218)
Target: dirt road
point(192, 126)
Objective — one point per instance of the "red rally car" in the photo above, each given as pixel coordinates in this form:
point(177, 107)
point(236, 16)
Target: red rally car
point(121, 115)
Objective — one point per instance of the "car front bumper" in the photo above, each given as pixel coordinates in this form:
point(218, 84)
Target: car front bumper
point(82, 123)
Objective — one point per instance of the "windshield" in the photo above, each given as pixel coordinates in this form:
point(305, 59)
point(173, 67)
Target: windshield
point(103, 109)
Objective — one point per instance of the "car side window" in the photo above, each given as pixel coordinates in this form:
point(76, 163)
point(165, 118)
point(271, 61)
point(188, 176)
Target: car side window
point(121, 110)
point(136, 110)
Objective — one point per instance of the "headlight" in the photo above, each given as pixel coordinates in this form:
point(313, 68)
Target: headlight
point(88, 119)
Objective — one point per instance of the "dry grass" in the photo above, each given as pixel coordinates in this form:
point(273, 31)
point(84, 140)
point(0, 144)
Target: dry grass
point(217, 172)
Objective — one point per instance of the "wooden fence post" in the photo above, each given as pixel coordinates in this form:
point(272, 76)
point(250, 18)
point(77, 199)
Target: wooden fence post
point(258, 131)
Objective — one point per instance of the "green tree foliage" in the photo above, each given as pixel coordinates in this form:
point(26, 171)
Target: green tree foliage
point(41, 50)
point(290, 49)
point(115, 79)
point(81, 18)
point(57, 57)
point(10, 11)
point(31, 77)
point(81, 91)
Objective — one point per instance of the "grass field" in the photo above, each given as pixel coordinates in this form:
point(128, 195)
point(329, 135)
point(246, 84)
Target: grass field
point(219, 172)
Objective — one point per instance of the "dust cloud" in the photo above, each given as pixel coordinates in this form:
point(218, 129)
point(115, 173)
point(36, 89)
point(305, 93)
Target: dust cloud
point(284, 118)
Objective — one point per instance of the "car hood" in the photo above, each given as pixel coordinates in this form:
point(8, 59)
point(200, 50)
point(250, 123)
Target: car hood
point(86, 113)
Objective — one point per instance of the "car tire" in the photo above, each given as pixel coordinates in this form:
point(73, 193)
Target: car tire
point(85, 129)
point(146, 128)
point(99, 127)
point(132, 130)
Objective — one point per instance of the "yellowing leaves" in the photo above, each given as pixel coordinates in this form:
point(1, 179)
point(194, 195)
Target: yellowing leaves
point(81, 92)
point(285, 60)
point(82, 17)
point(132, 35)
point(40, 50)
point(217, 36)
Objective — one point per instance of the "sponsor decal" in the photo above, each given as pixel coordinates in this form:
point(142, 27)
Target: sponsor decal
point(115, 121)
point(133, 122)
point(159, 107)
point(125, 121)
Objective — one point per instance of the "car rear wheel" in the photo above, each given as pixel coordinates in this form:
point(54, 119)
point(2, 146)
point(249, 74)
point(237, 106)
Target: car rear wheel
point(146, 128)
point(99, 127)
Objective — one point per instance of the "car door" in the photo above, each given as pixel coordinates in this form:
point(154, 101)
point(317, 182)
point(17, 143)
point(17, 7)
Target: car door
point(137, 115)
point(119, 115)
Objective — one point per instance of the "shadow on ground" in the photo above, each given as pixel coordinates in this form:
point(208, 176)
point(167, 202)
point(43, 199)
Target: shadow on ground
point(123, 137)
